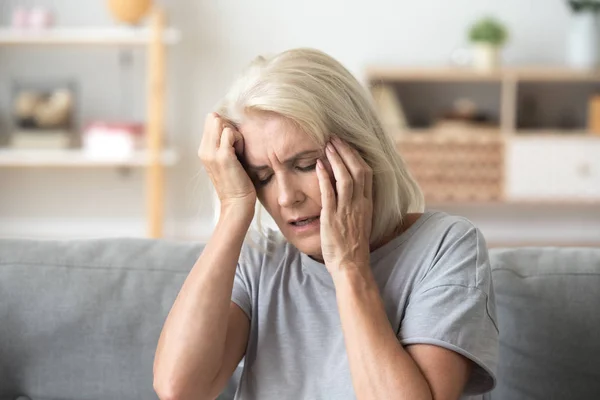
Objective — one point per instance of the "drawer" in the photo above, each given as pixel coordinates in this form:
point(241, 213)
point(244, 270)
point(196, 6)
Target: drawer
point(553, 169)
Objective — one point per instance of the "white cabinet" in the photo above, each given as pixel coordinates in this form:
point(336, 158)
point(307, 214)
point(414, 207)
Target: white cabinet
point(555, 169)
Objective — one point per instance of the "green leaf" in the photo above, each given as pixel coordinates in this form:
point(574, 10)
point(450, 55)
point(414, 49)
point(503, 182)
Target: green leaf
point(488, 30)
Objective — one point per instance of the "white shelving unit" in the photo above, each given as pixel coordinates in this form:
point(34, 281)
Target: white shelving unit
point(110, 36)
point(155, 37)
point(543, 165)
point(75, 158)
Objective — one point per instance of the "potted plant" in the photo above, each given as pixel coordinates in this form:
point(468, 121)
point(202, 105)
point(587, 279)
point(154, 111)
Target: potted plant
point(487, 35)
point(583, 42)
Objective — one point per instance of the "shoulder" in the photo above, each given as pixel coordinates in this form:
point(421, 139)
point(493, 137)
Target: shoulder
point(441, 232)
point(458, 251)
point(447, 226)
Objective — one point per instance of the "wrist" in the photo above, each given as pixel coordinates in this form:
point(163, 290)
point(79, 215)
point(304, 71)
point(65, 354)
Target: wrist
point(353, 274)
point(242, 212)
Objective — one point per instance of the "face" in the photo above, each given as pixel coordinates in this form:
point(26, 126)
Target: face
point(281, 160)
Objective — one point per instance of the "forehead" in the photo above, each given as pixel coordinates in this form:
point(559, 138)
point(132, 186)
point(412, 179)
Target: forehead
point(268, 134)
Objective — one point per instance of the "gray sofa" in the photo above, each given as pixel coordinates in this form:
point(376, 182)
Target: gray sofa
point(80, 319)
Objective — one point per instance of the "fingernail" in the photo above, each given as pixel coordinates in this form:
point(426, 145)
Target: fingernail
point(319, 164)
point(330, 148)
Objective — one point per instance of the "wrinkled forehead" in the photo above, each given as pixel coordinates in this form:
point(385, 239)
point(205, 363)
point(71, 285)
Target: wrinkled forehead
point(268, 135)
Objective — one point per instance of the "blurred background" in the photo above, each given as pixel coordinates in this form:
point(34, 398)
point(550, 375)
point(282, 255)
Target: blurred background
point(493, 104)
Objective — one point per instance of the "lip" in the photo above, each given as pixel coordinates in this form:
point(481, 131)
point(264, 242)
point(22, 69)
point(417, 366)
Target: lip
point(314, 226)
point(290, 221)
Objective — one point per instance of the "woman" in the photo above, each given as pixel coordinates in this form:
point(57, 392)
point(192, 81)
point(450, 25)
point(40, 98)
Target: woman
point(368, 297)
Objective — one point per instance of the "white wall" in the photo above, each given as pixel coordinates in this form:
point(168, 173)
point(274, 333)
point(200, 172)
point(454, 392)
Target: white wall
point(219, 37)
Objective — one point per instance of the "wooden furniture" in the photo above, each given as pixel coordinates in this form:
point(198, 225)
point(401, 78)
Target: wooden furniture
point(535, 148)
point(155, 158)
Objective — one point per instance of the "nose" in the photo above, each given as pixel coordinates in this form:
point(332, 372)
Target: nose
point(290, 193)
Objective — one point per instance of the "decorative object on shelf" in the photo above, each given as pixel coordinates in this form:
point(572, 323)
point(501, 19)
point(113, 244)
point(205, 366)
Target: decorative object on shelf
point(19, 18)
point(594, 115)
point(583, 41)
point(106, 139)
point(42, 115)
point(488, 36)
point(32, 18)
point(129, 11)
point(465, 117)
point(39, 18)
point(461, 57)
point(389, 107)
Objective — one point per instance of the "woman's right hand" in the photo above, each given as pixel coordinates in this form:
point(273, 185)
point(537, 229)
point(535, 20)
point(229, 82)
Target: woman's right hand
point(220, 147)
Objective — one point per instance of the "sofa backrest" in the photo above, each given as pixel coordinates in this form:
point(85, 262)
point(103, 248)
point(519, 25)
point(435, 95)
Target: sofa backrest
point(81, 319)
point(548, 305)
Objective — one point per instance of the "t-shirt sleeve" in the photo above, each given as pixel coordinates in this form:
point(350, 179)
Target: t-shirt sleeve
point(453, 305)
point(242, 293)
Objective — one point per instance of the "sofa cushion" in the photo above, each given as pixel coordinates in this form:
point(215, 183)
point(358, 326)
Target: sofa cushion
point(81, 319)
point(548, 303)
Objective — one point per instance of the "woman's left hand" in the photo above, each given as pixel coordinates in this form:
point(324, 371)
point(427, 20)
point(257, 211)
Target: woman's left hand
point(345, 217)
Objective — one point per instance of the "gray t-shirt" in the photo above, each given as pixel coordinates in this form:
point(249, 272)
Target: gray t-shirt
point(436, 285)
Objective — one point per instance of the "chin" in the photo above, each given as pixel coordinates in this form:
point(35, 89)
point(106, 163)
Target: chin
point(310, 245)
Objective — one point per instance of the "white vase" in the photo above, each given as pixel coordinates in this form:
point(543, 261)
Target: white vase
point(486, 56)
point(583, 41)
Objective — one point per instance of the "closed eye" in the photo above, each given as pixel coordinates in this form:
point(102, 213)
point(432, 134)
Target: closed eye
point(307, 168)
point(260, 182)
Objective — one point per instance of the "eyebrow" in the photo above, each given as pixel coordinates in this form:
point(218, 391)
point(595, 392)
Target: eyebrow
point(288, 161)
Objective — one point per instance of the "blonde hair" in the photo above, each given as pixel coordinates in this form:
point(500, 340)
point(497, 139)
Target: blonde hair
point(321, 97)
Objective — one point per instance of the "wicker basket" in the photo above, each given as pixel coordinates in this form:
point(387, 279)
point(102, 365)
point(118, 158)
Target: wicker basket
point(456, 169)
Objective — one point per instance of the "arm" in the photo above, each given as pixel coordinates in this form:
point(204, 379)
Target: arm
point(205, 334)
point(381, 368)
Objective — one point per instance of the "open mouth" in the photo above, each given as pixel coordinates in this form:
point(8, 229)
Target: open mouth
point(306, 221)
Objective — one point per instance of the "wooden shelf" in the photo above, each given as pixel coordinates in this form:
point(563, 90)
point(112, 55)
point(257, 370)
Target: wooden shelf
point(121, 36)
point(431, 74)
point(465, 74)
point(78, 158)
point(554, 134)
point(476, 134)
point(570, 202)
point(153, 39)
point(553, 74)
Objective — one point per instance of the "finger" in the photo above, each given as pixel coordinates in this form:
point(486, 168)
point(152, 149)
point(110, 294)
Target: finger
point(327, 194)
point(367, 172)
point(354, 165)
point(343, 180)
point(217, 131)
point(232, 138)
point(209, 135)
point(238, 142)
point(228, 139)
point(368, 191)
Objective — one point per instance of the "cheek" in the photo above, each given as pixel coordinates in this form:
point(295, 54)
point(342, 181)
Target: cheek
point(267, 197)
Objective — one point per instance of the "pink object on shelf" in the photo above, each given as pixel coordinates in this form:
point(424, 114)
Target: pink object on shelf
point(113, 139)
point(39, 18)
point(20, 18)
